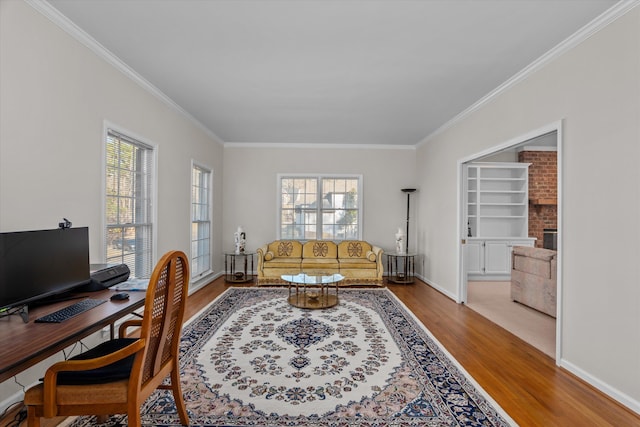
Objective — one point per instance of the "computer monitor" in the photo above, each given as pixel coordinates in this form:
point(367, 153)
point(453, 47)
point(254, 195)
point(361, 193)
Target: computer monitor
point(35, 265)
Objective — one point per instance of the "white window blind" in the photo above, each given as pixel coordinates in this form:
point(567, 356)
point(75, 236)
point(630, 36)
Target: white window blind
point(200, 221)
point(129, 216)
point(320, 207)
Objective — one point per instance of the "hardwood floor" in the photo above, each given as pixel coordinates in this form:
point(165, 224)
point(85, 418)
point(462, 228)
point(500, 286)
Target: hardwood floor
point(523, 380)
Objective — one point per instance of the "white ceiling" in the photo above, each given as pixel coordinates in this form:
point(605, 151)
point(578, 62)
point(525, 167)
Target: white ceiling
point(334, 71)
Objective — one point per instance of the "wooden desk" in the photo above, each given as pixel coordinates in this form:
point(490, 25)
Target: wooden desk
point(22, 345)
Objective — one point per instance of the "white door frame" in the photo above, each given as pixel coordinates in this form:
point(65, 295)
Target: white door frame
point(462, 231)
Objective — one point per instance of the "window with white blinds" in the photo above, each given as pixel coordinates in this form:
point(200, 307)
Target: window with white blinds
point(200, 221)
point(320, 207)
point(129, 215)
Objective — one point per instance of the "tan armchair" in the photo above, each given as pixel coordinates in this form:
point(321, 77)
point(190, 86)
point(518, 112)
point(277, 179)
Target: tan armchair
point(533, 278)
point(119, 375)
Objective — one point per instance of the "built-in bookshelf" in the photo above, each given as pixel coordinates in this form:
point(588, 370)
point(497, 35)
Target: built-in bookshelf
point(497, 214)
point(497, 199)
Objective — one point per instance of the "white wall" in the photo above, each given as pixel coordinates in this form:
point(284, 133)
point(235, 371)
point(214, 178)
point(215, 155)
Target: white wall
point(251, 198)
point(595, 90)
point(55, 95)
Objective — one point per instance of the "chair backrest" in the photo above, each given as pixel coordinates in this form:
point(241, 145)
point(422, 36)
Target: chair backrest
point(163, 316)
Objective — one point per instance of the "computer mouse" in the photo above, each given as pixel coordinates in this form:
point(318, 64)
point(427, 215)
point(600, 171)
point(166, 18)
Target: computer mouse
point(120, 296)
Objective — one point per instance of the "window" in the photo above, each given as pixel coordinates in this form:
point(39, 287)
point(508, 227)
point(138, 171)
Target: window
point(320, 207)
point(200, 221)
point(129, 216)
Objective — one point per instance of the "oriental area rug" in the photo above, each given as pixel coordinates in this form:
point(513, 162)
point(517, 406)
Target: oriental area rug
point(251, 359)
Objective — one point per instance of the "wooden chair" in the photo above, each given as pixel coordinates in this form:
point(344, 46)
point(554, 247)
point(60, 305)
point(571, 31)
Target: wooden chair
point(119, 375)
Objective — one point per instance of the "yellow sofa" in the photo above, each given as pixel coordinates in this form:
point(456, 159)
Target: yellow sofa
point(357, 260)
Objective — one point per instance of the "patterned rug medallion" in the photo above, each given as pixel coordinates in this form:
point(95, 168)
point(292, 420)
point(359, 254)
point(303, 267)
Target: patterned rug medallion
point(251, 359)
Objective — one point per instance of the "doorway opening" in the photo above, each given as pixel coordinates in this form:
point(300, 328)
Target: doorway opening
point(490, 294)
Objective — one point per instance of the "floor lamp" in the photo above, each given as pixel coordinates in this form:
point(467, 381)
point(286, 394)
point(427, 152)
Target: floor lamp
point(408, 191)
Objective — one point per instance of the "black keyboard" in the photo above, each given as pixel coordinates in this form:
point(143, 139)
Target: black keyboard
point(70, 311)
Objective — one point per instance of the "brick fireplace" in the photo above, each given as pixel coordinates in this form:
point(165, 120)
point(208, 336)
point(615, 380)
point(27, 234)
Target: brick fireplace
point(543, 192)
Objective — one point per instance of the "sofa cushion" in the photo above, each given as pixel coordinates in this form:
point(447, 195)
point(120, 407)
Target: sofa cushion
point(359, 263)
point(320, 249)
point(319, 263)
point(371, 256)
point(349, 249)
point(284, 262)
point(285, 248)
point(268, 256)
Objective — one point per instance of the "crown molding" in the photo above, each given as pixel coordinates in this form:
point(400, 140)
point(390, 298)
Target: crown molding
point(54, 15)
point(331, 146)
point(600, 22)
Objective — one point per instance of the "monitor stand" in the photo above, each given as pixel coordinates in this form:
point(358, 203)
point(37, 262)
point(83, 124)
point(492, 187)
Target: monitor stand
point(24, 313)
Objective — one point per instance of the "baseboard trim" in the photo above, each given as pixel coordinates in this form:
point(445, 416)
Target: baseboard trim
point(602, 386)
point(437, 287)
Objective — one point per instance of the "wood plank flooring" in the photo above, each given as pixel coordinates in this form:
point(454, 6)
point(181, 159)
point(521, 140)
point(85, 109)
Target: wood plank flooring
point(523, 380)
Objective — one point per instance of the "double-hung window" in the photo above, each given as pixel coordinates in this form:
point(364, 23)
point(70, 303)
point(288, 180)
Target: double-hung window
point(200, 221)
point(129, 215)
point(320, 207)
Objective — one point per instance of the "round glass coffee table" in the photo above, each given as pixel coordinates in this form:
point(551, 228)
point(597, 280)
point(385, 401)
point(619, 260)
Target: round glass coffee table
point(313, 290)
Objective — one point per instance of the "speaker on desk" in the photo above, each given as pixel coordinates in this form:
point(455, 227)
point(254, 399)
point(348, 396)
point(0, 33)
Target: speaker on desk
point(105, 278)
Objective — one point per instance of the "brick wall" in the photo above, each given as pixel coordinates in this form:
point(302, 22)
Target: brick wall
point(543, 184)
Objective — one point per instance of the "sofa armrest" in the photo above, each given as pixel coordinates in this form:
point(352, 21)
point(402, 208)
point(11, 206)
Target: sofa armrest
point(379, 266)
point(261, 251)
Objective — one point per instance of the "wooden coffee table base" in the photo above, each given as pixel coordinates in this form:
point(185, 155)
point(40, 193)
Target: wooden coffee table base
point(313, 291)
point(304, 300)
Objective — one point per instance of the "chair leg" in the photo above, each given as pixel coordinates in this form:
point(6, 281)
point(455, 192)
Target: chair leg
point(32, 419)
point(176, 389)
point(134, 419)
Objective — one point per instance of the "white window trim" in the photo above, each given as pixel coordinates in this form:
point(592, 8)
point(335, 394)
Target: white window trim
point(359, 177)
point(195, 163)
point(154, 196)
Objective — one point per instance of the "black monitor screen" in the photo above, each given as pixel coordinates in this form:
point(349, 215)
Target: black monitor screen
point(38, 264)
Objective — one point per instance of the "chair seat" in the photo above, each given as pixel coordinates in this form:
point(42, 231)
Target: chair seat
point(119, 370)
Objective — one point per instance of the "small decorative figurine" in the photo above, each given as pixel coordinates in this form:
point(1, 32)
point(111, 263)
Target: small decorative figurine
point(240, 239)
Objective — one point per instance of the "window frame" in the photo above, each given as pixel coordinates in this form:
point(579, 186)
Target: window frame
point(196, 165)
point(131, 137)
point(320, 177)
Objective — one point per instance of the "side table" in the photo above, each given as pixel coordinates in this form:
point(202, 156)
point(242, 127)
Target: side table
point(401, 268)
point(238, 268)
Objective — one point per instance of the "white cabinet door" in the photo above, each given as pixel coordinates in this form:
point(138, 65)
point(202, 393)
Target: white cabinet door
point(497, 256)
point(475, 257)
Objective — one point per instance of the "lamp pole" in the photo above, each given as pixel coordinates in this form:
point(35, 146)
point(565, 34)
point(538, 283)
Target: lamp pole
point(408, 191)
